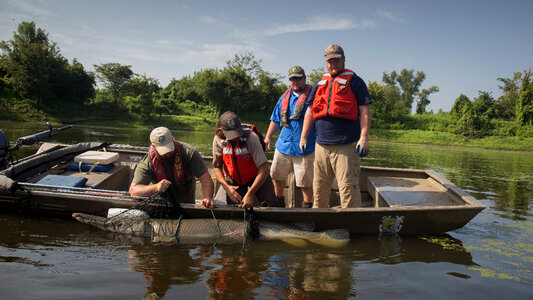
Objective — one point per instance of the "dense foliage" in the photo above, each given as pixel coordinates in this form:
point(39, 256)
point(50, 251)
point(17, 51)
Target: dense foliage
point(31, 67)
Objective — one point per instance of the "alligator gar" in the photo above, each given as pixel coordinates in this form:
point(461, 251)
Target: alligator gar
point(211, 230)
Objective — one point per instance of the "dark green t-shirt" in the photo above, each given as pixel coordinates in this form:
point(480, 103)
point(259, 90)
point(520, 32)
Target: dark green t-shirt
point(193, 166)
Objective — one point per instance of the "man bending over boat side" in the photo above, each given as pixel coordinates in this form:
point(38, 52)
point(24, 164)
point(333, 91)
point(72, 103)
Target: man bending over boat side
point(170, 163)
point(237, 150)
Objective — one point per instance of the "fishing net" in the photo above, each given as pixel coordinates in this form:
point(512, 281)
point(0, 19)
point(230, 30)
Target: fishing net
point(157, 206)
point(164, 206)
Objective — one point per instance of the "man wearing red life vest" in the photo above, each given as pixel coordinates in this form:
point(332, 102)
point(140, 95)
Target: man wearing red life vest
point(340, 111)
point(288, 115)
point(172, 162)
point(238, 152)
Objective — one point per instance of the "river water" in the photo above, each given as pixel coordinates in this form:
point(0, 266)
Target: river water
point(490, 258)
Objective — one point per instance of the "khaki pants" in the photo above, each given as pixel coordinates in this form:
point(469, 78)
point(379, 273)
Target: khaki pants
point(338, 161)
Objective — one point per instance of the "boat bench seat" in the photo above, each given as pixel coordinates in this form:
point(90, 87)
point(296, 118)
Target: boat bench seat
point(61, 180)
point(111, 180)
point(401, 191)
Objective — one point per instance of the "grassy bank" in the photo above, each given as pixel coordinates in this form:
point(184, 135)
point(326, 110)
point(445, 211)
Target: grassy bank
point(25, 111)
point(184, 123)
point(195, 123)
point(450, 139)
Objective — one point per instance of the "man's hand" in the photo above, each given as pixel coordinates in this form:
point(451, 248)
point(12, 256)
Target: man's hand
point(247, 201)
point(362, 147)
point(162, 185)
point(209, 202)
point(303, 144)
point(231, 191)
point(267, 142)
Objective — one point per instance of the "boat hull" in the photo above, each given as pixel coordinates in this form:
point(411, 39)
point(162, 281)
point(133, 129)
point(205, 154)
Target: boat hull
point(394, 200)
point(367, 220)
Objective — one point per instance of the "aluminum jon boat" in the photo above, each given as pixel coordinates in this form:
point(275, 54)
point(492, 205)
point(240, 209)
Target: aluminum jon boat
point(90, 178)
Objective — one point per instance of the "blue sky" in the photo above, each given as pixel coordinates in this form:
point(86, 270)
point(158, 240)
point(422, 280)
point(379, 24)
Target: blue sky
point(462, 46)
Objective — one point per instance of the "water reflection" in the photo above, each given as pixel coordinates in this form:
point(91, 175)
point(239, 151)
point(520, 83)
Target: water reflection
point(164, 266)
point(277, 270)
point(234, 276)
point(393, 249)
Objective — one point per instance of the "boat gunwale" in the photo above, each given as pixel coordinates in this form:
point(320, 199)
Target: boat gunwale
point(99, 194)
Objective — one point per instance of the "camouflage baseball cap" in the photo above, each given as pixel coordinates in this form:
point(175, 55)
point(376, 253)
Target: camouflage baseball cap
point(296, 71)
point(333, 51)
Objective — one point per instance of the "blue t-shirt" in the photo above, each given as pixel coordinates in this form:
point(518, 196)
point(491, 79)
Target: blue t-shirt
point(330, 130)
point(289, 138)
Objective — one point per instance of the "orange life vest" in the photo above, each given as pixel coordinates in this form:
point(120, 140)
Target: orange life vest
point(298, 108)
point(335, 98)
point(158, 166)
point(238, 161)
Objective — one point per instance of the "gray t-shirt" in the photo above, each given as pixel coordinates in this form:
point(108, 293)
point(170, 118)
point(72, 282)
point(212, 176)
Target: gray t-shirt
point(193, 166)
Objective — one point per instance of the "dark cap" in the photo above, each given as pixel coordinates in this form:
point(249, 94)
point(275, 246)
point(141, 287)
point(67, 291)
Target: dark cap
point(333, 51)
point(231, 125)
point(296, 71)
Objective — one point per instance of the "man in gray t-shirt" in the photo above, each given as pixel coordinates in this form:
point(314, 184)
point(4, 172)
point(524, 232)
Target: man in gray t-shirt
point(237, 151)
point(172, 162)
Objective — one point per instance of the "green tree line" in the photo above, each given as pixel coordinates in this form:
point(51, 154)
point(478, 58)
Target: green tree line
point(33, 71)
point(509, 115)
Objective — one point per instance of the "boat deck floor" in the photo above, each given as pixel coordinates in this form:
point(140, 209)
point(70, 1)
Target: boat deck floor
point(396, 191)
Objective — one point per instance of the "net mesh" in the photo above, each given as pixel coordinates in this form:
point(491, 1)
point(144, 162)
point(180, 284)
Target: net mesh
point(161, 206)
point(156, 206)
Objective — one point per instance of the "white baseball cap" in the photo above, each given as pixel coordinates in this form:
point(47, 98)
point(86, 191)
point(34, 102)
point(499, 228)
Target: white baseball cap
point(162, 140)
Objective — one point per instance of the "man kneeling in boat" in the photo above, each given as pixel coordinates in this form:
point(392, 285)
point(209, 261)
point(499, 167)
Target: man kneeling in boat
point(170, 163)
point(237, 150)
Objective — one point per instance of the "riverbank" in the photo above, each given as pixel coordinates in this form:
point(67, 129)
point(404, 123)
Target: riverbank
point(207, 124)
point(450, 139)
point(24, 111)
point(388, 135)
point(195, 123)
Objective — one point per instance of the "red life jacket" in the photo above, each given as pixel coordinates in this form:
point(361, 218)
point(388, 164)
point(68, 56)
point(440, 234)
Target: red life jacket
point(298, 107)
point(238, 162)
point(335, 98)
point(158, 166)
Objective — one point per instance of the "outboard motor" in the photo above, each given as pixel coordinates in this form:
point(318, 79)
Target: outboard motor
point(4, 154)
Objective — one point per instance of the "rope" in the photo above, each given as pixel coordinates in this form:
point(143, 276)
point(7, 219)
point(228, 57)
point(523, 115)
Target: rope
point(178, 229)
point(218, 227)
point(244, 232)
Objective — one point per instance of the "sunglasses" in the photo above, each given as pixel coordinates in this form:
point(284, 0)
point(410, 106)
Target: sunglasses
point(295, 78)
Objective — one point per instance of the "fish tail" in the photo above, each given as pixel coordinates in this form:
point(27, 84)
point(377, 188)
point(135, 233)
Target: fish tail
point(334, 238)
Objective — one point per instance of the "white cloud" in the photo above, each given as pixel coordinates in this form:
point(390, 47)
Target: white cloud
point(163, 42)
point(211, 54)
point(30, 7)
point(390, 16)
point(318, 23)
point(208, 19)
point(61, 39)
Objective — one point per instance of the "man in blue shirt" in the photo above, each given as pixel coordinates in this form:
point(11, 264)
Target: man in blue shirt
point(288, 115)
point(340, 110)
